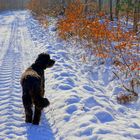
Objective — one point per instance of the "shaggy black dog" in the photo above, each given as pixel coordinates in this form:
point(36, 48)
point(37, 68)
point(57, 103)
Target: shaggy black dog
point(32, 82)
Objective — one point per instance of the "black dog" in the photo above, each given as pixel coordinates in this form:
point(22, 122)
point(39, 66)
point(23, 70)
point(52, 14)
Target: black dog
point(32, 82)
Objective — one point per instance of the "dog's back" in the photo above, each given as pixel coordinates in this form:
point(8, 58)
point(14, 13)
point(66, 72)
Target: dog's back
point(31, 86)
point(30, 81)
point(32, 89)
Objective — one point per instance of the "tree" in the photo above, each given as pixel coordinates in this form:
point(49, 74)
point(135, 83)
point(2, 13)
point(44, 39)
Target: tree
point(86, 6)
point(136, 15)
point(100, 5)
point(111, 13)
point(127, 6)
point(117, 8)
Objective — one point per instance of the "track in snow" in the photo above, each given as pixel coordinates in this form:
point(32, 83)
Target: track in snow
point(12, 124)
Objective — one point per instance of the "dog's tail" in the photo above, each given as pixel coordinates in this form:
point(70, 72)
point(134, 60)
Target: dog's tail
point(40, 102)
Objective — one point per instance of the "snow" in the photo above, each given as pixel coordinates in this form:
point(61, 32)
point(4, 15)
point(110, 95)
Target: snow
point(83, 98)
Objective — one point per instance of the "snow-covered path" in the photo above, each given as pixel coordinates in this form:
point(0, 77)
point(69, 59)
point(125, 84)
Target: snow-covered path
point(83, 104)
point(10, 101)
point(12, 124)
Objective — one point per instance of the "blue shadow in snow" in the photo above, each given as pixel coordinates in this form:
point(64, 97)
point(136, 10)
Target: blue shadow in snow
point(42, 131)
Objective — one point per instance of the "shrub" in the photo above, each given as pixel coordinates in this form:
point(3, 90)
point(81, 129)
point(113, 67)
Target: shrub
point(110, 41)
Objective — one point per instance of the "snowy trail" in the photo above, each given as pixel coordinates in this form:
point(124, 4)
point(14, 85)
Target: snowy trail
point(12, 124)
point(83, 104)
point(10, 101)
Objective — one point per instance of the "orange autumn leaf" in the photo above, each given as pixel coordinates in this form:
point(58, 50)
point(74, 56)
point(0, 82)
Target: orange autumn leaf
point(135, 65)
point(121, 46)
point(101, 14)
point(102, 55)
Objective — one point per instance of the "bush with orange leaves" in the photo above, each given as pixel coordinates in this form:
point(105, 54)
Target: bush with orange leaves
point(74, 17)
point(111, 42)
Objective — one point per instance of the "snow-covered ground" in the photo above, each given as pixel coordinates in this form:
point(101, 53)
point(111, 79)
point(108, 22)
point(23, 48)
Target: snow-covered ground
point(83, 104)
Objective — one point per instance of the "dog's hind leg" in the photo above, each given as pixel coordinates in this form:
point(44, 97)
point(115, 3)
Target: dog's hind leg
point(40, 103)
point(27, 102)
point(38, 109)
point(37, 116)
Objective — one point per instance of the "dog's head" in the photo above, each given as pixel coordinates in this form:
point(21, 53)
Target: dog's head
point(44, 61)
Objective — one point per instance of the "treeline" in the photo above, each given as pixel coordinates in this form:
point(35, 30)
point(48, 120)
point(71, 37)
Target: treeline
point(49, 7)
point(114, 9)
point(13, 4)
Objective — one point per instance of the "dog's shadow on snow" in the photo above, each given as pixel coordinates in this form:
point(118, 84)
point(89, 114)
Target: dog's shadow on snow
point(42, 131)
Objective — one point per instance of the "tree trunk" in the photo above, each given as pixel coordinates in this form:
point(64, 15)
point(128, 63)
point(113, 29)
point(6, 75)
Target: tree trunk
point(127, 17)
point(136, 16)
point(86, 6)
point(117, 9)
point(128, 10)
point(100, 5)
point(63, 7)
point(111, 13)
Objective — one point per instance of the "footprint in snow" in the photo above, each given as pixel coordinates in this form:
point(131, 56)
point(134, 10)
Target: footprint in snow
point(71, 109)
point(91, 102)
point(88, 88)
point(68, 66)
point(67, 84)
point(104, 117)
point(69, 81)
point(87, 132)
point(101, 131)
point(64, 75)
point(65, 87)
point(72, 100)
